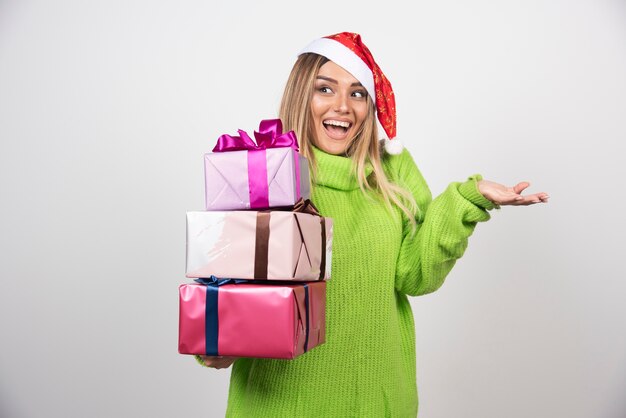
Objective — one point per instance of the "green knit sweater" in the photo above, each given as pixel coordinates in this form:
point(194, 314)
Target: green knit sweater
point(366, 368)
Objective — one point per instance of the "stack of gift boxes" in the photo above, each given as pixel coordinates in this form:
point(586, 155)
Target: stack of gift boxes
point(259, 254)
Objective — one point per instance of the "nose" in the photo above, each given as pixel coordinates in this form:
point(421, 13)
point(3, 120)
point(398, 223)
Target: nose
point(341, 103)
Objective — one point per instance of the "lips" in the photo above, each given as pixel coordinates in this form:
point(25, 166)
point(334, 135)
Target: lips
point(336, 129)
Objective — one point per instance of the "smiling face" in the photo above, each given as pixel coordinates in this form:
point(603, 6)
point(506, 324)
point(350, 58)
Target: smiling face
point(338, 106)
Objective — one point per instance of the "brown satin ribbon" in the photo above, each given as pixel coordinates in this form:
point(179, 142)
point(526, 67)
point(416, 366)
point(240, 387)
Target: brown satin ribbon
point(306, 206)
point(261, 246)
point(323, 262)
point(306, 250)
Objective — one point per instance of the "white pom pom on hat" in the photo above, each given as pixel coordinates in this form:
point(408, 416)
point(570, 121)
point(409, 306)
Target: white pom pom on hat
point(394, 147)
point(348, 51)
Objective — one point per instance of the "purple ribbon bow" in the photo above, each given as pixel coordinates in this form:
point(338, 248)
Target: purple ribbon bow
point(270, 135)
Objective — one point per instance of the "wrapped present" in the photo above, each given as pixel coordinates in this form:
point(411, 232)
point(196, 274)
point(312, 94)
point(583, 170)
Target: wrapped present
point(270, 245)
point(242, 174)
point(251, 320)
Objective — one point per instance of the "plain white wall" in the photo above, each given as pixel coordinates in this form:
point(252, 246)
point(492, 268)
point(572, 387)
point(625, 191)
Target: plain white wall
point(107, 107)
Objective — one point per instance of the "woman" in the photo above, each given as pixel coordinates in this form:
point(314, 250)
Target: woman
point(390, 241)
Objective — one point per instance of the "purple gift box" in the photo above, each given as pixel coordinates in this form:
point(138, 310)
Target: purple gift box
point(241, 174)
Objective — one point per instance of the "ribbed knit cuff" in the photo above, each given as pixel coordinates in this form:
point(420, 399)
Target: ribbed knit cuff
point(469, 190)
point(200, 361)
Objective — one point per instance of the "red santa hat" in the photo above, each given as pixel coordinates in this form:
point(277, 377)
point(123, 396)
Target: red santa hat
point(348, 51)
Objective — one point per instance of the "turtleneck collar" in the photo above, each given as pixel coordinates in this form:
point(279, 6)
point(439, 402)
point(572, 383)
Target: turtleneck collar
point(336, 171)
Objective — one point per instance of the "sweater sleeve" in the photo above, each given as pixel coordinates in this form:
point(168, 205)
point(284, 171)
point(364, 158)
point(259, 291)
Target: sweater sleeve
point(444, 225)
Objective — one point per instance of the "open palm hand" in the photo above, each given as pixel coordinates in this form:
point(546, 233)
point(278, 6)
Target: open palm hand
point(510, 196)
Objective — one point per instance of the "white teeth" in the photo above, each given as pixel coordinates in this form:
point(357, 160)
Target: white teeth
point(337, 123)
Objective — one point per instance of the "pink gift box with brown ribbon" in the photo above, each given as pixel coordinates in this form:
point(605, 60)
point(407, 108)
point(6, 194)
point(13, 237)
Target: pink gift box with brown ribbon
point(268, 245)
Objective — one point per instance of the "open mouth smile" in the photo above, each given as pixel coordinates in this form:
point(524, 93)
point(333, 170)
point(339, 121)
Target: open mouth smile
point(337, 129)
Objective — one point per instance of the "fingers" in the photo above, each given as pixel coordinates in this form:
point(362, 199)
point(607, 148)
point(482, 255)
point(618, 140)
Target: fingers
point(218, 362)
point(531, 199)
point(222, 364)
point(520, 187)
point(543, 197)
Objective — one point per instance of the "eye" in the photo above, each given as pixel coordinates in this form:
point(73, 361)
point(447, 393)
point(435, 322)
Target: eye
point(361, 94)
point(324, 89)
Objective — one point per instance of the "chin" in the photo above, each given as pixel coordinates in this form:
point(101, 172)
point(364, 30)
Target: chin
point(338, 149)
point(333, 146)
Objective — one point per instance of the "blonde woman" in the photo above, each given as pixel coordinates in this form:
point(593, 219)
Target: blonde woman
point(391, 241)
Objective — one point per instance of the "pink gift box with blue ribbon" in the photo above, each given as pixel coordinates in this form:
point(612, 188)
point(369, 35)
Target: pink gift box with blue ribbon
point(241, 174)
point(245, 319)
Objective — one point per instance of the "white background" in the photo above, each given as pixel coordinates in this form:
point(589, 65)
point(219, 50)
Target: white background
point(106, 109)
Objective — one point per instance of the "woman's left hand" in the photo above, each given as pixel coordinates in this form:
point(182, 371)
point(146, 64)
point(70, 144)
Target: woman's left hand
point(217, 362)
point(503, 195)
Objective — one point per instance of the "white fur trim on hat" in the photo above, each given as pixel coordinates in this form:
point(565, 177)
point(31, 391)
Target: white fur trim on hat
point(344, 57)
point(393, 146)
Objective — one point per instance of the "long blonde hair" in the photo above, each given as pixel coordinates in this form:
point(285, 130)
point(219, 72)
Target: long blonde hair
point(365, 147)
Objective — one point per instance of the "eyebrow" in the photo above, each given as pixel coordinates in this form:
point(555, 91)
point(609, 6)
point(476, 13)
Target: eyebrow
point(332, 80)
